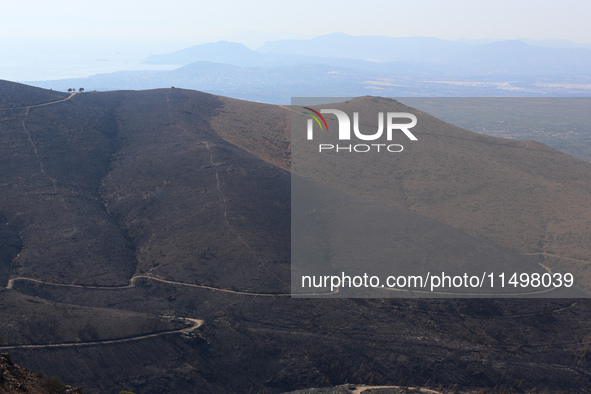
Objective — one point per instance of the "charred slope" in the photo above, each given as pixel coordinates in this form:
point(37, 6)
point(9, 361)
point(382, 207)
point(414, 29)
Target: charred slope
point(180, 205)
point(69, 326)
point(335, 233)
point(519, 194)
point(54, 157)
point(197, 208)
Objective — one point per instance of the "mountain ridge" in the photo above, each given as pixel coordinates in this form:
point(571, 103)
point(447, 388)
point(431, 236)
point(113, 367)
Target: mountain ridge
point(188, 193)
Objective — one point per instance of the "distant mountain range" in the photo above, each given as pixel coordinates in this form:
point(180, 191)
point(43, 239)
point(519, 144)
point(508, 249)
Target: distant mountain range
point(343, 65)
point(323, 48)
point(342, 49)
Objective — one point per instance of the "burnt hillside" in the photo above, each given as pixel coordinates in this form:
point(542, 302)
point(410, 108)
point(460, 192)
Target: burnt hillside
point(145, 246)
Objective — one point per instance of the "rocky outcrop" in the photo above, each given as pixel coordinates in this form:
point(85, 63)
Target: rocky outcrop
point(16, 379)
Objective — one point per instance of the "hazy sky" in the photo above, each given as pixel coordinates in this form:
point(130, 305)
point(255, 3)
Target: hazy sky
point(193, 20)
point(42, 39)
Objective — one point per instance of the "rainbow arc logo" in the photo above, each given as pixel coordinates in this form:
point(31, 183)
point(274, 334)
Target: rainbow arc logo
point(316, 115)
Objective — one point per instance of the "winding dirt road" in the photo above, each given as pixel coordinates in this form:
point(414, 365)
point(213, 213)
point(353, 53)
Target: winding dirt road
point(556, 256)
point(44, 104)
point(196, 324)
point(362, 389)
point(10, 285)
